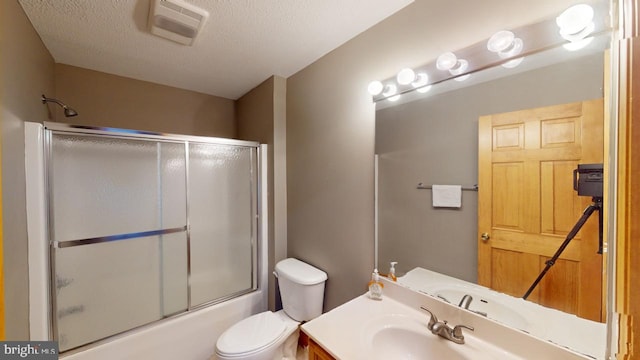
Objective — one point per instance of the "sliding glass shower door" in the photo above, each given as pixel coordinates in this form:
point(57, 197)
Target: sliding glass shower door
point(145, 227)
point(220, 215)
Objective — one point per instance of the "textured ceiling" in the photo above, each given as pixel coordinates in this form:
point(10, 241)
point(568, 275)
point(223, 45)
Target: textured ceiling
point(242, 44)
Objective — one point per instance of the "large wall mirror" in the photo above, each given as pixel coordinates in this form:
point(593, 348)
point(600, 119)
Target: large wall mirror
point(518, 133)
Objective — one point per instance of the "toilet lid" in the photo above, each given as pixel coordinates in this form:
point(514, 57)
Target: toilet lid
point(251, 334)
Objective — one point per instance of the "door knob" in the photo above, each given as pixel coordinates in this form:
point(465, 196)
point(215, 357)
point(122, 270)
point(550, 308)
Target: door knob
point(485, 237)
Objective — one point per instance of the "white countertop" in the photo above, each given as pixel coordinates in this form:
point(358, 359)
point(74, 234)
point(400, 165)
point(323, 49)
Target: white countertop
point(343, 331)
point(340, 330)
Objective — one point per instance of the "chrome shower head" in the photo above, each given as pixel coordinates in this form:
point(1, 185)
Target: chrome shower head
point(68, 112)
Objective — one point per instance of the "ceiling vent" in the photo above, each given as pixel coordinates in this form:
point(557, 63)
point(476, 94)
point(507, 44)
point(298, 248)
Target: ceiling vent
point(176, 20)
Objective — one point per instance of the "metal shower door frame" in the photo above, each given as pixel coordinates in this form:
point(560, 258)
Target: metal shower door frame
point(51, 128)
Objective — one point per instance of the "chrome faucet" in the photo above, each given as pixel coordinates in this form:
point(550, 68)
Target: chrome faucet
point(465, 301)
point(442, 329)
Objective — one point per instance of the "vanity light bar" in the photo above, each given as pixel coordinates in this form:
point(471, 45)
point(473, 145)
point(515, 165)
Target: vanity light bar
point(510, 46)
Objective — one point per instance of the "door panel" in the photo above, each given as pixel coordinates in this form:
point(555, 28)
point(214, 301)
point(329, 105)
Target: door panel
point(511, 270)
point(564, 279)
point(528, 205)
point(560, 207)
point(506, 212)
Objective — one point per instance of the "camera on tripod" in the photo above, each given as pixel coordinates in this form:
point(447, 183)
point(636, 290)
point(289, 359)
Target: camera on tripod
point(587, 180)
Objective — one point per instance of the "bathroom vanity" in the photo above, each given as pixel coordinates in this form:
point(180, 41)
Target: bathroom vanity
point(316, 352)
point(397, 327)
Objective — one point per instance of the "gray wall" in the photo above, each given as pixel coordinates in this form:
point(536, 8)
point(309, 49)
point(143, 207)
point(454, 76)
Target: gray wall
point(27, 71)
point(330, 127)
point(261, 117)
point(103, 99)
point(435, 141)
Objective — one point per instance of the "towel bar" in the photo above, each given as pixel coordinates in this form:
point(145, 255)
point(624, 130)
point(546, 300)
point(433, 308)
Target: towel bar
point(421, 186)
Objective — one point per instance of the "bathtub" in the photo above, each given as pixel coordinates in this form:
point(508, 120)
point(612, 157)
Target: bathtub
point(586, 336)
point(189, 336)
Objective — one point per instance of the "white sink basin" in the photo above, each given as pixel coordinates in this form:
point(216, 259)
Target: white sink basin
point(402, 337)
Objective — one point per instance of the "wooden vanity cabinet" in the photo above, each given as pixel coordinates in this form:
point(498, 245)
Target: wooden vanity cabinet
point(316, 352)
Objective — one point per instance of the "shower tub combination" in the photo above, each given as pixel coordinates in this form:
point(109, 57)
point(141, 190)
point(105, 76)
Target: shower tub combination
point(139, 240)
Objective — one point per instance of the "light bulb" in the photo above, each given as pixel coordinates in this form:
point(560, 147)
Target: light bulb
point(375, 87)
point(421, 80)
point(389, 90)
point(576, 24)
point(580, 35)
point(406, 76)
point(515, 48)
point(446, 61)
point(461, 67)
point(575, 19)
point(500, 41)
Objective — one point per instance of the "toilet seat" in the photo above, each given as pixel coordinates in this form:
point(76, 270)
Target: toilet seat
point(251, 335)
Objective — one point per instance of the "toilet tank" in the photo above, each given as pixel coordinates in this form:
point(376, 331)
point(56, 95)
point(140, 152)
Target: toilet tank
point(301, 289)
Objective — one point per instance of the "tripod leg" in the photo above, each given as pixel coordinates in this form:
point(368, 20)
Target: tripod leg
point(574, 231)
point(600, 245)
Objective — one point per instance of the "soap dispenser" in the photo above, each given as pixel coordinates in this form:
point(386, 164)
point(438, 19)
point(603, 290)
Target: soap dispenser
point(392, 271)
point(375, 286)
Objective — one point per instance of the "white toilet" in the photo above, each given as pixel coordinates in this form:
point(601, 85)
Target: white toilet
point(269, 335)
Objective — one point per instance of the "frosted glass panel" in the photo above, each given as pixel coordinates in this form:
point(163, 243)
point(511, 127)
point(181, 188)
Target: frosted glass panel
point(222, 217)
point(174, 273)
point(105, 186)
point(115, 187)
point(173, 184)
point(104, 289)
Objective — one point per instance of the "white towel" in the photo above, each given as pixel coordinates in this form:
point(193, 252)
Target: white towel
point(447, 196)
